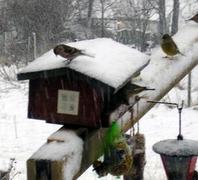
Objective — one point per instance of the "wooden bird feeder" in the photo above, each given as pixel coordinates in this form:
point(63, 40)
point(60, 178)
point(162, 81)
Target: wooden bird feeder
point(79, 93)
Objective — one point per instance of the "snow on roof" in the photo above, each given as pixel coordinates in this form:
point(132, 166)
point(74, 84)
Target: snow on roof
point(113, 63)
point(70, 150)
point(173, 147)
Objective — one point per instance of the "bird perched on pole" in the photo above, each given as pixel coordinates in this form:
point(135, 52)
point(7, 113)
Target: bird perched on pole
point(131, 90)
point(68, 52)
point(168, 46)
point(194, 18)
point(123, 95)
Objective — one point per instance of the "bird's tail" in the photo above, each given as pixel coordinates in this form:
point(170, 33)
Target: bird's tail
point(87, 54)
point(149, 89)
point(181, 53)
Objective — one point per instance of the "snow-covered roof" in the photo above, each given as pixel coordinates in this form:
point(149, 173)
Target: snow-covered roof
point(112, 63)
point(173, 147)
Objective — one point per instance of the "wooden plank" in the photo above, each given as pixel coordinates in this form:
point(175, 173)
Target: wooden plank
point(43, 102)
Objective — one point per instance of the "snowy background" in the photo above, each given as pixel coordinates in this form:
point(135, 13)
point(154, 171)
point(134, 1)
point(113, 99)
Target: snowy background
point(20, 137)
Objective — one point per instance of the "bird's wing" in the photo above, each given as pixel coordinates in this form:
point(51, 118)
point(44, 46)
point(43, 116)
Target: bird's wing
point(175, 46)
point(178, 51)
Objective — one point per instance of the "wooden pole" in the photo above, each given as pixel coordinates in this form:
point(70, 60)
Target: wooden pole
point(35, 47)
point(189, 89)
point(161, 73)
point(137, 169)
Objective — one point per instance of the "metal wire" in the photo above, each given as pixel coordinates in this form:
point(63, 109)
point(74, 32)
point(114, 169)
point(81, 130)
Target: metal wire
point(179, 107)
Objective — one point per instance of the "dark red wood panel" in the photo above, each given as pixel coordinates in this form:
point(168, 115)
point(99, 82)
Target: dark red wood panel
point(43, 96)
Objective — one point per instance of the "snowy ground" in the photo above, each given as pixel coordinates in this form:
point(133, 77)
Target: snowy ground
point(20, 137)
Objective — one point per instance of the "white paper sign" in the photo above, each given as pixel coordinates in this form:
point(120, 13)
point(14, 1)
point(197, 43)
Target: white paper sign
point(68, 102)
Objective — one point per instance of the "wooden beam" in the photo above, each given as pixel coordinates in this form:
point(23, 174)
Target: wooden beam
point(44, 166)
point(162, 74)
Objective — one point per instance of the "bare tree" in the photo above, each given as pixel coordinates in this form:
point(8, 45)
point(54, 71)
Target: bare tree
point(175, 17)
point(44, 17)
point(162, 16)
point(89, 12)
point(136, 15)
point(104, 6)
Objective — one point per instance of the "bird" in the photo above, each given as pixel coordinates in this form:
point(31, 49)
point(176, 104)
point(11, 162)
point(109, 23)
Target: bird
point(122, 96)
point(194, 18)
point(130, 90)
point(68, 52)
point(168, 46)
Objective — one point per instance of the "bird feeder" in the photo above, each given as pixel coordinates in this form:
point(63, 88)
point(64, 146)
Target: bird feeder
point(79, 93)
point(179, 155)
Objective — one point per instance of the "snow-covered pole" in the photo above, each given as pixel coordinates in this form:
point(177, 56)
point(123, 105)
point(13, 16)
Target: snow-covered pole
point(164, 73)
point(189, 89)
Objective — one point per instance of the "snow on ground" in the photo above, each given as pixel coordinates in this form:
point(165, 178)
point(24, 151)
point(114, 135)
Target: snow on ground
point(21, 137)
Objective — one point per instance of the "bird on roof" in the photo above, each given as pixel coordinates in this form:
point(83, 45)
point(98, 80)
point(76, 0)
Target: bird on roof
point(68, 52)
point(194, 18)
point(168, 46)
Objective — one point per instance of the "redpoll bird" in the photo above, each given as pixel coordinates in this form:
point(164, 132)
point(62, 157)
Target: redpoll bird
point(68, 52)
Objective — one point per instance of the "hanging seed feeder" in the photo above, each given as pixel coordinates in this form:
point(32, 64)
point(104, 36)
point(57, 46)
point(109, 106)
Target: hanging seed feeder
point(179, 155)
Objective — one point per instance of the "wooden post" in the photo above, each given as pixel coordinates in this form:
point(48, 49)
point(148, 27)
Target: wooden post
point(137, 169)
point(189, 89)
point(35, 47)
point(28, 50)
point(41, 168)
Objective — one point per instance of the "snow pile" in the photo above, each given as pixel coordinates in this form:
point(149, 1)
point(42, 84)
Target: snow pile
point(112, 63)
point(173, 147)
point(162, 71)
point(69, 151)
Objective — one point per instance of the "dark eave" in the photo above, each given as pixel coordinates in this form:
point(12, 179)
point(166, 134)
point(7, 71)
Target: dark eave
point(68, 72)
point(43, 74)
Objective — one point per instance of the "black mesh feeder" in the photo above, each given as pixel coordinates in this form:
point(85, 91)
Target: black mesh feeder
point(179, 155)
